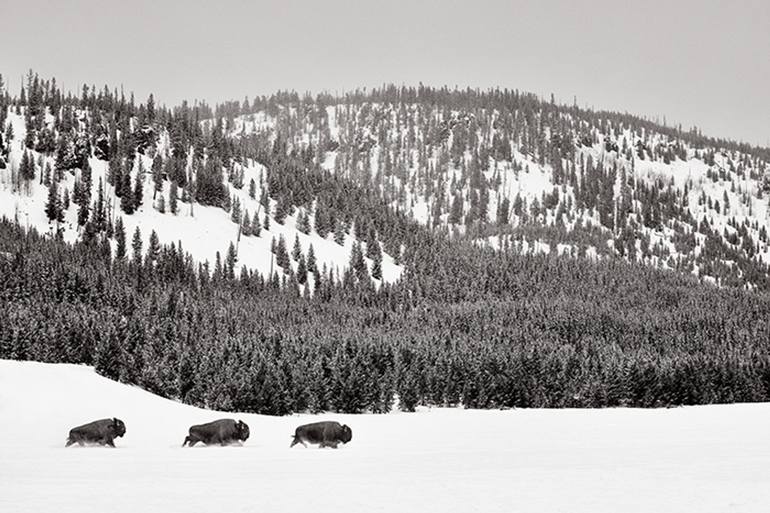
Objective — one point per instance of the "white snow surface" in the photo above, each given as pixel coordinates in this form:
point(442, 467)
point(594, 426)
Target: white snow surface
point(704, 459)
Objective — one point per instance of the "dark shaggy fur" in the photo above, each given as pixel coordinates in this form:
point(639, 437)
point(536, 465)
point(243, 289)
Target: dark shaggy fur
point(327, 434)
point(222, 432)
point(102, 432)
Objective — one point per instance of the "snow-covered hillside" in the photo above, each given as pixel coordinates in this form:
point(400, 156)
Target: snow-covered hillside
point(705, 459)
point(201, 230)
point(547, 180)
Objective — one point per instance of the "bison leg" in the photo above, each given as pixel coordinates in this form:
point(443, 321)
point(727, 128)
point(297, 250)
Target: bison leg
point(192, 440)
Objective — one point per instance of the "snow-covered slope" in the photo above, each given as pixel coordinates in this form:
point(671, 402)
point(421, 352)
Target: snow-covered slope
point(638, 193)
point(202, 230)
point(705, 459)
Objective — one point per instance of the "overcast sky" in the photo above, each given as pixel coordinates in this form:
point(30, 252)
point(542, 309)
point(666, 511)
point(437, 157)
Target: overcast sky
point(695, 62)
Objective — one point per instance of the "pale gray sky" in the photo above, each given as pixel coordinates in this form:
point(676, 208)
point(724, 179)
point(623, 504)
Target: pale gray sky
point(694, 62)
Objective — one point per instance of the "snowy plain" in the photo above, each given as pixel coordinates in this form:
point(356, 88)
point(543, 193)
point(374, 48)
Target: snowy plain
point(690, 459)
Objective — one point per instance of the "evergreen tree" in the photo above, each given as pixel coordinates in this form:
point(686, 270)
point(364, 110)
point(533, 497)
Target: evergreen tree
point(456, 213)
point(84, 211)
point(153, 250)
point(100, 212)
point(339, 232)
point(157, 175)
point(235, 213)
point(139, 187)
point(172, 198)
point(53, 207)
point(120, 239)
point(246, 223)
point(267, 221)
point(311, 260)
point(296, 251)
point(357, 262)
point(27, 167)
point(256, 226)
point(377, 266)
point(65, 199)
point(127, 197)
point(252, 189)
point(301, 270)
point(136, 245)
point(281, 255)
point(230, 262)
point(303, 222)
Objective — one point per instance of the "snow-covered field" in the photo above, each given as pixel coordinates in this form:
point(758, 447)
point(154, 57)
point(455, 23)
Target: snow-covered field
point(696, 459)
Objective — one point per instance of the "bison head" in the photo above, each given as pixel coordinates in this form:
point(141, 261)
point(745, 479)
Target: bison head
point(118, 427)
point(347, 434)
point(243, 430)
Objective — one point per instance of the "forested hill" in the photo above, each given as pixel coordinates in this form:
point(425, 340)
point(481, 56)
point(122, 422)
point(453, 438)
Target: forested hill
point(499, 167)
point(440, 247)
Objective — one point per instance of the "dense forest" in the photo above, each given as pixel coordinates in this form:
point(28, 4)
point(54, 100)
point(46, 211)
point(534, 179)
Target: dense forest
point(465, 324)
point(505, 330)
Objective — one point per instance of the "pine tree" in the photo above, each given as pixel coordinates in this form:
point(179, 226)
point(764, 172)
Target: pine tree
point(47, 174)
point(339, 232)
point(66, 200)
point(281, 255)
point(153, 250)
point(246, 223)
point(235, 213)
point(357, 262)
point(377, 266)
point(127, 197)
point(27, 167)
point(157, 175)
point(53, 207)
point(161, 204)
point(139, 187)
point(456, 213)
point(296, 251)
point(173, 192)
point(230, 262)
point(84, 211)
point(301, 270)
point(136, 245)
point(256, 226)
point(252, 189)
point(217, 275)
point(311, 260)
point(303, 222)
point(267, 221)
point(120, 239)
point(100, 213)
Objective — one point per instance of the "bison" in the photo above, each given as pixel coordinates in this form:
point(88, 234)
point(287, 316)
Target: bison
point(102, 432)
point(222, 432)
point(327, 434)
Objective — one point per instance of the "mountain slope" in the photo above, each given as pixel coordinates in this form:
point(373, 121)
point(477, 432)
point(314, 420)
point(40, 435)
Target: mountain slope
point(201, 230)
point(512, 170)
